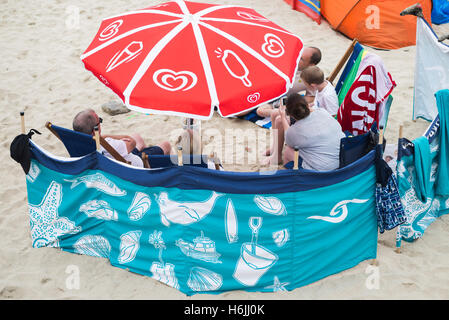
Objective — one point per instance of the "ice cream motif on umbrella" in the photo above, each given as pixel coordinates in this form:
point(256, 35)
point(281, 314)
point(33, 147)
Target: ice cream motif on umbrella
point(163, 272)
point(99, 209)
point(93, 245)
point(203, 248)
point(46, 225)
point(184, 213)
point(202, 279)
point(129, 245)
point(235, 66)
point(254, 260)
point(99, 182)
point(270, 205)
point(231, 226)
point(340, 207)
point(132, 51)
point(140, 205)
point(175, 81)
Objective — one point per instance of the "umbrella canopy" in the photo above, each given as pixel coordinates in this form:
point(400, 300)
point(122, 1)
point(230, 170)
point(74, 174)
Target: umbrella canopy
point(185, 58)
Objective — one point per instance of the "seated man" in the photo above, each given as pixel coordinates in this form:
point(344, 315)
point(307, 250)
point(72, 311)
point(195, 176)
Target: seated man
point(311, 56)
point(129, 147)
point(324, 91)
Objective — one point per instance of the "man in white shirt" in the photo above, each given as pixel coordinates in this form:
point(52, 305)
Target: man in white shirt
point(129, 147)
point(311, 56)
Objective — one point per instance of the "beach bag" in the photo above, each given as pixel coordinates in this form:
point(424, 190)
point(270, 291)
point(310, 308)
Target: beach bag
point(389, 210)
point(20, 149)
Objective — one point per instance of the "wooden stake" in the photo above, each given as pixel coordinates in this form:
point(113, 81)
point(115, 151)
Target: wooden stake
point(401, 127)
point(215, 159)
point(180, 156)
point(295, 161)
point(97, 138)
point(22, 120)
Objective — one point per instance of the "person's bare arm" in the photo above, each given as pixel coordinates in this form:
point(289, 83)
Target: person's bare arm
point(129, 141)
point(285, 123)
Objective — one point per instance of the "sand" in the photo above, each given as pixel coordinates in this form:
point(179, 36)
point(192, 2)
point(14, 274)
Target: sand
point(42, 74)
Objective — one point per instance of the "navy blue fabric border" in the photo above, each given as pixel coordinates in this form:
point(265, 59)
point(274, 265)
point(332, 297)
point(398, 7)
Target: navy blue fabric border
point(189, 177)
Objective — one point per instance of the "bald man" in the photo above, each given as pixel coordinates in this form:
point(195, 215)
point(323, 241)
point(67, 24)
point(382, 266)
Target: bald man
point(130, 147)
point(311, 56)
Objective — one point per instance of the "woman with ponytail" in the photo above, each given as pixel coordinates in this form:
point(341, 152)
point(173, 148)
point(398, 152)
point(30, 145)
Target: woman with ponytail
point(313, 130)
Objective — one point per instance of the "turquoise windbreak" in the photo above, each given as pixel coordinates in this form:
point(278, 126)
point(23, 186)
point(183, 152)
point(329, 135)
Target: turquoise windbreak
point(205, 231)
point(421, 208)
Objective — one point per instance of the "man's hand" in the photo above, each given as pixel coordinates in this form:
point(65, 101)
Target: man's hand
point(130, 143)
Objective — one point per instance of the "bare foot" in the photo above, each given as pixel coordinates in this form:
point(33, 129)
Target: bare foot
point(267, 152)
point(271, 161)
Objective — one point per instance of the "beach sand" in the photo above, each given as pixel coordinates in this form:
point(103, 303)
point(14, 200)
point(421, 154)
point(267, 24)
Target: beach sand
point(42, 74)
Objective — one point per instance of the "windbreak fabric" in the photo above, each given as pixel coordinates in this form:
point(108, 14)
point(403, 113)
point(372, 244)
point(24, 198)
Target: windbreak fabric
point(206, 231)
point(431, 71)
point(412, 181)
point(440, 11)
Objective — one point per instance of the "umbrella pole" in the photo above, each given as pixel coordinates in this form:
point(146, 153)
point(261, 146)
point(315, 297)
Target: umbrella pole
point(191, 138)
point(193, 132)
point(180, 156)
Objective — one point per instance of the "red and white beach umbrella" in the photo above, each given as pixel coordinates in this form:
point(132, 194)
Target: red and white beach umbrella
point(186, 58)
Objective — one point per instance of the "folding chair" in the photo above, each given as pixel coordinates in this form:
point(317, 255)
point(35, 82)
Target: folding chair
point(351, 53)
point(79, 144)
point(353, 148)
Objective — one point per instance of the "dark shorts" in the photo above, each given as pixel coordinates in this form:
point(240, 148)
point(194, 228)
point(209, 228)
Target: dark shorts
point(153, 150)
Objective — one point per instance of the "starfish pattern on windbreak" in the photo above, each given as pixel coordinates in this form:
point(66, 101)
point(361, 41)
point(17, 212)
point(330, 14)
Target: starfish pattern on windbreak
point(277, 285)
point(46, 225)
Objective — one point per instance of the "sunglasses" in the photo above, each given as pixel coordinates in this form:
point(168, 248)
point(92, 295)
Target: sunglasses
point(100, 120)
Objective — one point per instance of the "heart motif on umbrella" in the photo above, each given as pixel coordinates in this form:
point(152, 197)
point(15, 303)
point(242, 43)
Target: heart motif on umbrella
point(174, 81)
point(189, 59)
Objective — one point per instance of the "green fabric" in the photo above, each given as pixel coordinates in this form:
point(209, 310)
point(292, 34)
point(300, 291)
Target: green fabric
point(350, 78)
point(442, 174)
point(422, 166)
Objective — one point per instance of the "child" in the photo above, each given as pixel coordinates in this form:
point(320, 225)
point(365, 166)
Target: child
point(325, 95)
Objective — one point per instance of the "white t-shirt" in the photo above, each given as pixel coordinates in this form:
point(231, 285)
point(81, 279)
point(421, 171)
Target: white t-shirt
point(120, 147)
point(327, 99)
point(318, 138)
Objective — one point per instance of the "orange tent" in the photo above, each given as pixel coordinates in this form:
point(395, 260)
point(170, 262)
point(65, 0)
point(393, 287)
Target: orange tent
point(375, 23)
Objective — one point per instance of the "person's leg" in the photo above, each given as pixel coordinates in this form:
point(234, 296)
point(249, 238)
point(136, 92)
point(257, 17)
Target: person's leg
point(165, 146)
point(274, 114)
point(289, 154)
point(265, 110)
point(140, 144)
point(275, 156)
